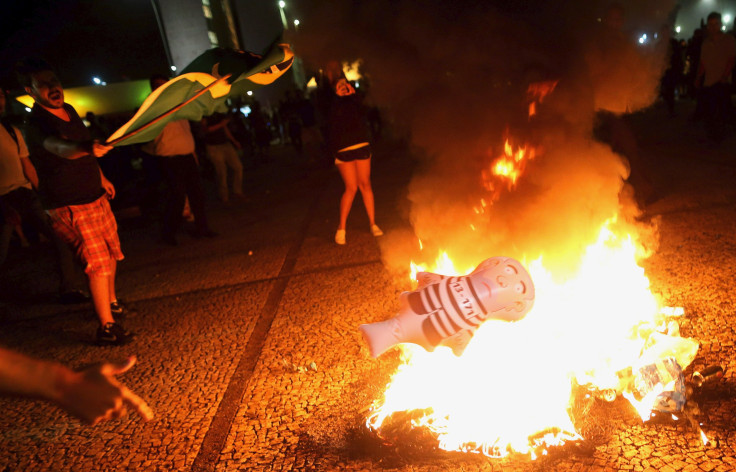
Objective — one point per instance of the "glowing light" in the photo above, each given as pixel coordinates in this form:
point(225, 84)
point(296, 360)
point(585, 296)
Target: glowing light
point(727, 18)
point(573, 315)
point(282, 4)
point(28, 109)
point(173, 68)
point(296, 22)
point(678, 29)
point(506, 169)
point(536, 92)
point(96, 80)
point(250, 92)
point(352, 70)
point(597, 327)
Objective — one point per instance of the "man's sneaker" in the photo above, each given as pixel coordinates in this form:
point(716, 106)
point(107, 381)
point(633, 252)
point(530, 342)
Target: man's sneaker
point(121, 309)
point(113, 334)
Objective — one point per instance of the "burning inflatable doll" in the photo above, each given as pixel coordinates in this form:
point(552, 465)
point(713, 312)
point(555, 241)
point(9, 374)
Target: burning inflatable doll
point(447, 310)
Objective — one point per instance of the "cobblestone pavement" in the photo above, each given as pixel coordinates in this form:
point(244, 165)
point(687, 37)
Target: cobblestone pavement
point(248, 345)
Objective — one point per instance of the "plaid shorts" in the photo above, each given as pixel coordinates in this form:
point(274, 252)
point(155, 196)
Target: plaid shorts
point(93, 233)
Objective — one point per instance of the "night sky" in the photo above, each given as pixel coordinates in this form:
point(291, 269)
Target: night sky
point(115, 40)
point(119, 39)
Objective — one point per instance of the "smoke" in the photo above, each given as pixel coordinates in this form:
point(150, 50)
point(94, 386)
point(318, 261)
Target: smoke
point(454, 75)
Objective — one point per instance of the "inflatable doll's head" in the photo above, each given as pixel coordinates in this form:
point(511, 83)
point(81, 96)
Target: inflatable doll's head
point(512, 289)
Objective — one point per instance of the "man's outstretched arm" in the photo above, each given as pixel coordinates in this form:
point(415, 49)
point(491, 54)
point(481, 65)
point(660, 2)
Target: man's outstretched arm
point(92, 394)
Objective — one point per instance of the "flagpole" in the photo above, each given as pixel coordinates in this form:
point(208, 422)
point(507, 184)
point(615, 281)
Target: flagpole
point(173, 110)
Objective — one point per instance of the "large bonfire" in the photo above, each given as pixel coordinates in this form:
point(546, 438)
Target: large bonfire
point(595, 327)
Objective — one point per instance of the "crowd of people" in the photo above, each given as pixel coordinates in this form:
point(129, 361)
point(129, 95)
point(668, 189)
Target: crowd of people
point(52, 179)
point(702, 69)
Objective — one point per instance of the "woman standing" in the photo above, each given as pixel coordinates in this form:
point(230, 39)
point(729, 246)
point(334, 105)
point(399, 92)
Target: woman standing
point(347, 136)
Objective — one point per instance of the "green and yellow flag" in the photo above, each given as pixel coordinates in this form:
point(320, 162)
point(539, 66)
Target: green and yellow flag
point(202, 89)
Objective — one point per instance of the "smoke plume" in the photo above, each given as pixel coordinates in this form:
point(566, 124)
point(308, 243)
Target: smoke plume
point(455, 76)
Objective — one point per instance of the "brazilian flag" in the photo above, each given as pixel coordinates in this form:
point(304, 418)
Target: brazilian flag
point(202, 89)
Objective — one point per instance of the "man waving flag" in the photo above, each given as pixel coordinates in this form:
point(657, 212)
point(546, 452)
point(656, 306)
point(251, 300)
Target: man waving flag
point(202, 89)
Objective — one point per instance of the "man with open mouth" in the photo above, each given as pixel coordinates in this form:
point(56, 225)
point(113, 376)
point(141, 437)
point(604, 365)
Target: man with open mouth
point(74, 191)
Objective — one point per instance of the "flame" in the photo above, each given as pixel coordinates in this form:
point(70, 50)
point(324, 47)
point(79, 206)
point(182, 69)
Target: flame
point(703, 437)
point(506, 168)
point(536, 92)
point(442, 265)
point(511, 388)
point(352, 70)
point(599, 328)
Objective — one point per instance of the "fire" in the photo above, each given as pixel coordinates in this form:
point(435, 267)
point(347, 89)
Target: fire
point(352, 70)
point(510, 391)
point(536, 93)
point(443, 265)
point(598, 330)
point(506, 168)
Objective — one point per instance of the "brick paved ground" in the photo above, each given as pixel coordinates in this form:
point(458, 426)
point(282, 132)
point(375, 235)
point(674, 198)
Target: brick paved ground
point(248, 345)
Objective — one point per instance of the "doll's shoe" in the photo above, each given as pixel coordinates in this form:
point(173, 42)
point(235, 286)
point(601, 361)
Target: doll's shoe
point(376, 231)
point(340, 237)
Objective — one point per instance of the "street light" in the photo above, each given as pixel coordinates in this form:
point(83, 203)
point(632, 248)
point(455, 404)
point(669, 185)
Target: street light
point(282, 4)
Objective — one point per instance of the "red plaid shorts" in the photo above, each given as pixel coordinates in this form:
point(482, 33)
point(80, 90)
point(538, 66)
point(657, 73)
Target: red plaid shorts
point(92, 231)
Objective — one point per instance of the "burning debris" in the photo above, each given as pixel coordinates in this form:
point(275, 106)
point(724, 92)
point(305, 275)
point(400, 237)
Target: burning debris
point(654, 385)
